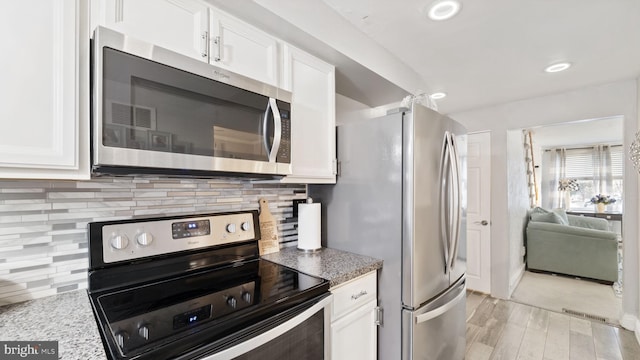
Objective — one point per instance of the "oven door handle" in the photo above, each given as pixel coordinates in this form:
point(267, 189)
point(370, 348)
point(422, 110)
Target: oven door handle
point(265, 337)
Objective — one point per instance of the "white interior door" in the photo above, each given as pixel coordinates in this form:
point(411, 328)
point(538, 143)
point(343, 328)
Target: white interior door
point(479, 212)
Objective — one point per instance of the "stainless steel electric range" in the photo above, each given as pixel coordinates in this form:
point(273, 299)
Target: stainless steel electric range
point(194, 287)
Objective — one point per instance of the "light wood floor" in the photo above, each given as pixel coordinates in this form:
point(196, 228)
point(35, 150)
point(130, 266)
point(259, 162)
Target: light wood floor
point(505, 330)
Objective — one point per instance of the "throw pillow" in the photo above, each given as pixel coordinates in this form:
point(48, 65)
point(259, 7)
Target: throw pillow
point(539, 210)
point(548, 218)
point(563, 215)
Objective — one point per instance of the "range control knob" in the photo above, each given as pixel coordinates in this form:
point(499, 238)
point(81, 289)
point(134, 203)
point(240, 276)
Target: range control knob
point(245, 226)
point(143, 331)
point(231, 228)
point(246, 296)
point(231, 301)
point(120, 337)
point(119, 242)
point(144, 238)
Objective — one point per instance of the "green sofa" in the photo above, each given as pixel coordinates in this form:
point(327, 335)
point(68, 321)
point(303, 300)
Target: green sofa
point(572, 245)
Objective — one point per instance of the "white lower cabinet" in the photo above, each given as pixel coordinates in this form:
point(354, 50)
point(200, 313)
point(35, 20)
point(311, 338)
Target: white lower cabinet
point(354, 335)
point(353, 321)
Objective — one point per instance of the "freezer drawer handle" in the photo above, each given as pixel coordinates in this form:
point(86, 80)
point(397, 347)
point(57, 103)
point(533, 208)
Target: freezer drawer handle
point(442, 309)
point(359, 295)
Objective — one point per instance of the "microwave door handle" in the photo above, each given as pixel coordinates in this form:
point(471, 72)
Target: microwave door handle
point(277, 129)
point(265, 132)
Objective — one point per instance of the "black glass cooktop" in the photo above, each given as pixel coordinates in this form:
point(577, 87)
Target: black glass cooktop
point(188, 311)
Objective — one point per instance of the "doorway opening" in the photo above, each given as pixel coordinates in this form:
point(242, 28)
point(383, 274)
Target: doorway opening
point(572, 250)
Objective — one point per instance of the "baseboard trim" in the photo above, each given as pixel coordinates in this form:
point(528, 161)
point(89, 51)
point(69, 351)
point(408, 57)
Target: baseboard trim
point(630, 322)
point(515, 279)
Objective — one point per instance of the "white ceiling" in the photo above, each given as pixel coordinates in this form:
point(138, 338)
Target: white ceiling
point(494, 51)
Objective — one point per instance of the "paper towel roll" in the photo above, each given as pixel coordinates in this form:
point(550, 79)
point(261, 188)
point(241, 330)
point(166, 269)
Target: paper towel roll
point(309, 226)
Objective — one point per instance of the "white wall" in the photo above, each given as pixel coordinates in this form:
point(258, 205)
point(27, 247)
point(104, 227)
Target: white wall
point(637, 328)
point(517, 204)
point(348, 110)
point(364, 69)
point(619, 98)
point(320, 20)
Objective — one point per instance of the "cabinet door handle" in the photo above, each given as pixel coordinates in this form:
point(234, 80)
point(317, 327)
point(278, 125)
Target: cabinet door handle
point(359, 295)
point(204, 44)
point(216, 41)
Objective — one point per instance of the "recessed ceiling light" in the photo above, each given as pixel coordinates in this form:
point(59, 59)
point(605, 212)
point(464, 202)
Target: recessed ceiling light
point(438, 95)
point(443, 10)
point(557, 67)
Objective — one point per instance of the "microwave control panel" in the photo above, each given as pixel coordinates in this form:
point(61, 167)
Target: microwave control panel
point(284, 152)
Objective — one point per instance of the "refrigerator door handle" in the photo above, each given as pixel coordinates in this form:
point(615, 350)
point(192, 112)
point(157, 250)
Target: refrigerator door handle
point(442, 309)
point(444, 198)
point(458, 203)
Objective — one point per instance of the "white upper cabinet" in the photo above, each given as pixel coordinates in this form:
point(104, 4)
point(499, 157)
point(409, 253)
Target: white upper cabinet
point(241, 48)
point(193, 28)
point(178, 25)
point(44, 93)
point(313, 117)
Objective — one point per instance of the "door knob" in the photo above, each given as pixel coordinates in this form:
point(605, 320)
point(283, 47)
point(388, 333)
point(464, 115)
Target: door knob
point(483, 222)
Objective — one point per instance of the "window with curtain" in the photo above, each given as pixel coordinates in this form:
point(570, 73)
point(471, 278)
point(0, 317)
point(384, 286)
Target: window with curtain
point(596, 170)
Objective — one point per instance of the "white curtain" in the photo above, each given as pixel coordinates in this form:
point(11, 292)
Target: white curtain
point(581, 165)
point(602, 177)
point(553, 169)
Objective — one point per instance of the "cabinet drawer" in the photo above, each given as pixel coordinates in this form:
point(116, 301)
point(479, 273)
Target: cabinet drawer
point(353, 294)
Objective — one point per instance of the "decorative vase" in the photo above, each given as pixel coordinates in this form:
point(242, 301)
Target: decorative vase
point(600, 207)
point(567, 199)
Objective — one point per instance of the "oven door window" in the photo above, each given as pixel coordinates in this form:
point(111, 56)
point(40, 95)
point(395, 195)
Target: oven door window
point(151, 106)
point(305, 341)
point(294, 334)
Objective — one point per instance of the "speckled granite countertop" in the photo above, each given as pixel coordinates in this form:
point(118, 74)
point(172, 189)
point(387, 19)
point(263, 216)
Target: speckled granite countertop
point(334, 265)
point(66, 318)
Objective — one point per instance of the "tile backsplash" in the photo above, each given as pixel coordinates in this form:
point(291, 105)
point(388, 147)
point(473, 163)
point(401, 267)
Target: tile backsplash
point(43, 236)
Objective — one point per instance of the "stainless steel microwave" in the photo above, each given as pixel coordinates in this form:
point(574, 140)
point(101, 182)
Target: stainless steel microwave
point(155, 111)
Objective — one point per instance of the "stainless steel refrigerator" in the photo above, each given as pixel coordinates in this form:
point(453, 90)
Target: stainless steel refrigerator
point(400, 196)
